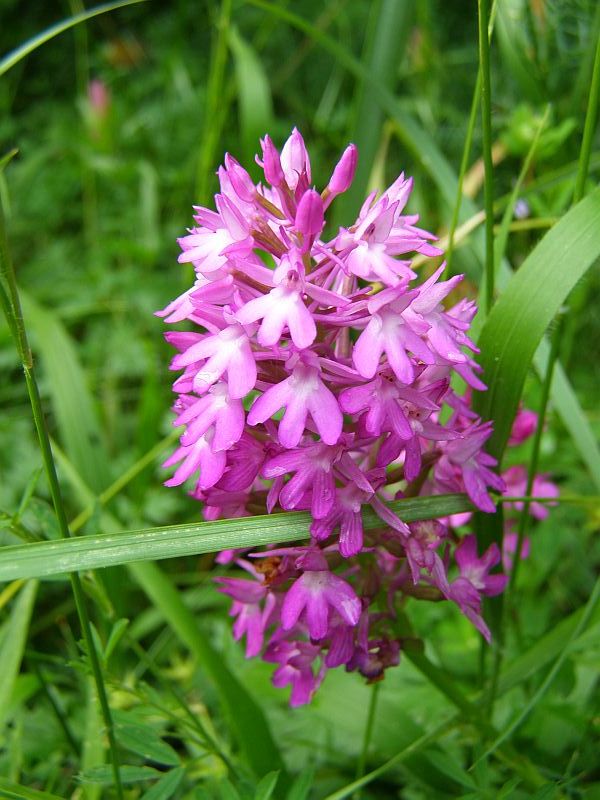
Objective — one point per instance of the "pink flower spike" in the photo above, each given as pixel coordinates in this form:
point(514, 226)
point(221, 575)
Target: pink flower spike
point(314, 593)
point(300, 394)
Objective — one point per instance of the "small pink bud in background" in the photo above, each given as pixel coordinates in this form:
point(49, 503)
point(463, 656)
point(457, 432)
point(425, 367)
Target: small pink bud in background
point(272, 162)
point(309, 216)
point(99, 97)
point(343, 174)
point(523, 427)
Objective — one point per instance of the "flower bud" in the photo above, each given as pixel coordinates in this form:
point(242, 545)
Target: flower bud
point(343, 174)
point(271, 162)
point(240, 179)
point(309, 216)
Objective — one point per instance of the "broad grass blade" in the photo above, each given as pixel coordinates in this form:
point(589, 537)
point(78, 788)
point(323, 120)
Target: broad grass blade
point(109, 549)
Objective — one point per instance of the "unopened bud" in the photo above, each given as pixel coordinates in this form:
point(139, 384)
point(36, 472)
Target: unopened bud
point(271, 162)
point(343, 174)
point(309, 216)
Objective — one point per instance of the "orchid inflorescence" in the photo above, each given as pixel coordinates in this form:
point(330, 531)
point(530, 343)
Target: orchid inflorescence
point(341, 336)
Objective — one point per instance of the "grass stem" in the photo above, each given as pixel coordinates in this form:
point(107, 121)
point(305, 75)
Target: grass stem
point(12, 308)
point(486, 119)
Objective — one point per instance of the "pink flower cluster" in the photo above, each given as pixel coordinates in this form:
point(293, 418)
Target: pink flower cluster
point(317, 376)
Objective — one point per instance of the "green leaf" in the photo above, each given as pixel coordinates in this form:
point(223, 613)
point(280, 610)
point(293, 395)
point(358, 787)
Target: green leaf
point(144, 741)
point(92, 552)
point(423, 148)
point(385, 47)
point(32, 44)
point(129, 774)
point(14, 637)
point(254, 94)
point(534, 295)
point(12, 791)
point(266, 787)
point(71, 398)
point(245, 715)
point(227, 790)
point(302, 785)
point(166, 786)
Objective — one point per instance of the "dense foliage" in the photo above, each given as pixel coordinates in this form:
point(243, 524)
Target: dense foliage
point(120, 124)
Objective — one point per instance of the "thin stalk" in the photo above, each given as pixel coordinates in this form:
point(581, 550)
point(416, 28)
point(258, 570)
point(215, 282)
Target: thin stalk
point(582, 173)
point(506, 225)
point(591, 117)
point(535, 451)
point(12, 308)
point(362, 761)
point(461, 175)
point(578, 297)
point(413, 747)
point(213, 113)
point(121, 482)
point(58, 712)
point(486, 120)
point(525, 516)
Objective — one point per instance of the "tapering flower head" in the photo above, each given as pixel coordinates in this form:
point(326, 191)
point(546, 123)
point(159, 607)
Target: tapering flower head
point(316, 376)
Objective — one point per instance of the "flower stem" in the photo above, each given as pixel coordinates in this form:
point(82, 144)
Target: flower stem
point(9, 297)
point(362, 761)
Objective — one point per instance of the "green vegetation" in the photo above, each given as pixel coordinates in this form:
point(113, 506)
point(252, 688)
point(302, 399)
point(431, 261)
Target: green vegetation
point(124, 682)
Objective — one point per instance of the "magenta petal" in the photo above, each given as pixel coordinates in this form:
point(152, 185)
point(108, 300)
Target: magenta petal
point(293, 605)
point(368, 349)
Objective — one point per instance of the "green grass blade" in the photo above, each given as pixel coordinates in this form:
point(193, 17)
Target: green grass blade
point(13, 644)
point(508, 215)
point(71, 399)
point(255, 106)
point(516, 46)
point(486, 125)
point(109, 549)
point(567, 405)
point(13, 791)
point(514, 329)
point(547, 682)
point(245, 715)
point(385, 51)
point(543, 652)
point(32, 44)
point(166, 787)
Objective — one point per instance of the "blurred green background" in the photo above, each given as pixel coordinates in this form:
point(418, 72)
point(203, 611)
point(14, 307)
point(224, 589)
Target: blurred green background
point(120, 125)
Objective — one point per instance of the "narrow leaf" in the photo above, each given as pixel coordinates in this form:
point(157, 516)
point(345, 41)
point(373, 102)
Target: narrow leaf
point(32, 44)
point(254, 94)
point(245, 715)
point(71, 398)
point(166, 786)
point(14, 637)
point(12, 791)
point(514, 329)
point(92, 552)
point(266, 787)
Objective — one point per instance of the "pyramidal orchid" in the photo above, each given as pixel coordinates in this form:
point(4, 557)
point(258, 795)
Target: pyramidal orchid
point(316, 375)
